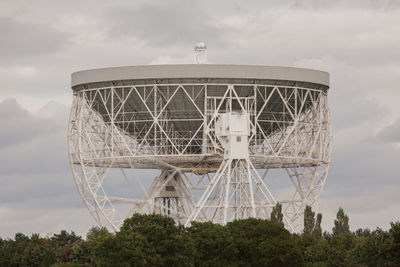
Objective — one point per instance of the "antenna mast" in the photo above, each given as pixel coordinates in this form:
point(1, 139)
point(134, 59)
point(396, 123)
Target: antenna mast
point(200, 53)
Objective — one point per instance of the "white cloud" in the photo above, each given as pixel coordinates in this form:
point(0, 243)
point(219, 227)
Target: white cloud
point(391, 133)
point(370, 208)
point(19, 219)
point(23, 40)
point(37, 193)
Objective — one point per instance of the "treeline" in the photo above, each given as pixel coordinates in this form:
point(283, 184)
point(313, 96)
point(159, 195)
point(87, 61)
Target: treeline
point(155, 240)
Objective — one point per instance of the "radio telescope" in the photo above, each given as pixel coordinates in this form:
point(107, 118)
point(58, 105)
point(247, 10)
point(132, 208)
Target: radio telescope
point(224, 142)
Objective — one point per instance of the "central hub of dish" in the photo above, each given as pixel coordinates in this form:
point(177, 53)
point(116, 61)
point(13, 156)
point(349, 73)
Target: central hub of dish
point(232, 130)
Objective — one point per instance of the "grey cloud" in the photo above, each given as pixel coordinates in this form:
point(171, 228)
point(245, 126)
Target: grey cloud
point(361, 163)
point(349, 98)
point(44, 154)
point(20, 40)
point(45, 221)
point(352, 111)
point(17, 124)
point(370, 208)
point(391, 133)
point(29, 143)
point(228, 6)
point(54, 111)
point(310, 34)
point(384, 5)
point(364, 180)
point(34, 168)
point(164, 24)
point(273, 34)
point(47, 190)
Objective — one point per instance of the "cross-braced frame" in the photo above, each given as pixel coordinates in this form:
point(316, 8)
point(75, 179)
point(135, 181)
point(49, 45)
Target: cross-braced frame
point(171, 127)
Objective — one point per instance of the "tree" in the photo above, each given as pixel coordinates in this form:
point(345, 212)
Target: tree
point(371, 248)
point(63, 243)
point(276, 214)
point(95, 233)
point(317, 227)
point(126, 249)
point(106, 251)
point(213, 244)
point(312, 225)
point(264, 243)
point(309, 220)
point(312, 246)
point(65, 238)
point(17, 248)
point(38, 252)
point(81, 253)
point(341, 223)
point(315, 250)
point(395, 246)
point(339, 250)
point(145, 240)
point(67, 264)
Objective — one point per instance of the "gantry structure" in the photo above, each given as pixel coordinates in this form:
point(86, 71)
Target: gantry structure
point(228, 141)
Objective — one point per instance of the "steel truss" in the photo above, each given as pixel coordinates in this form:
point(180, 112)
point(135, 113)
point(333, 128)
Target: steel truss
point(171, 127)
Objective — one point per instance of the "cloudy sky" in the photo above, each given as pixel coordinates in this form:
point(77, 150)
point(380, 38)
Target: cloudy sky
point(42, 42)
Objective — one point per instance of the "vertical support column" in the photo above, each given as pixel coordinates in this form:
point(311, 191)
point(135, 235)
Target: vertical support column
point(205, 128)
point(156, 118)
point(227, 186)
point(321, 123)
point(112, 120)
point(253, 205)
point(296, 125)
point(79, 111)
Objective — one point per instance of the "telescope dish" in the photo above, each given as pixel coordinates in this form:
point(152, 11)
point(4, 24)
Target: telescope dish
point(224, 142)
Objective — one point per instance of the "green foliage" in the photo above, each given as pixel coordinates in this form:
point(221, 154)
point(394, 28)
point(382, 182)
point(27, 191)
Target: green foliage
point(317, 226)
point(312, 225)
point(395, 244)
point(67, 264)
point(341, 223)
point(276, 214)
point(64, 238)
point(148, 240)
point(155, 240)
point(38, 252)
point(128, 249)
point(81, 253)
point(263, 243)
point(339, 250)
point(63, 243)
point(371, 248)
point(309, 220)
point(214, 244)
point(171, 243)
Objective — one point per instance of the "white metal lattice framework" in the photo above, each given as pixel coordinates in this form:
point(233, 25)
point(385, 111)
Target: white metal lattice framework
point(171, 127)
